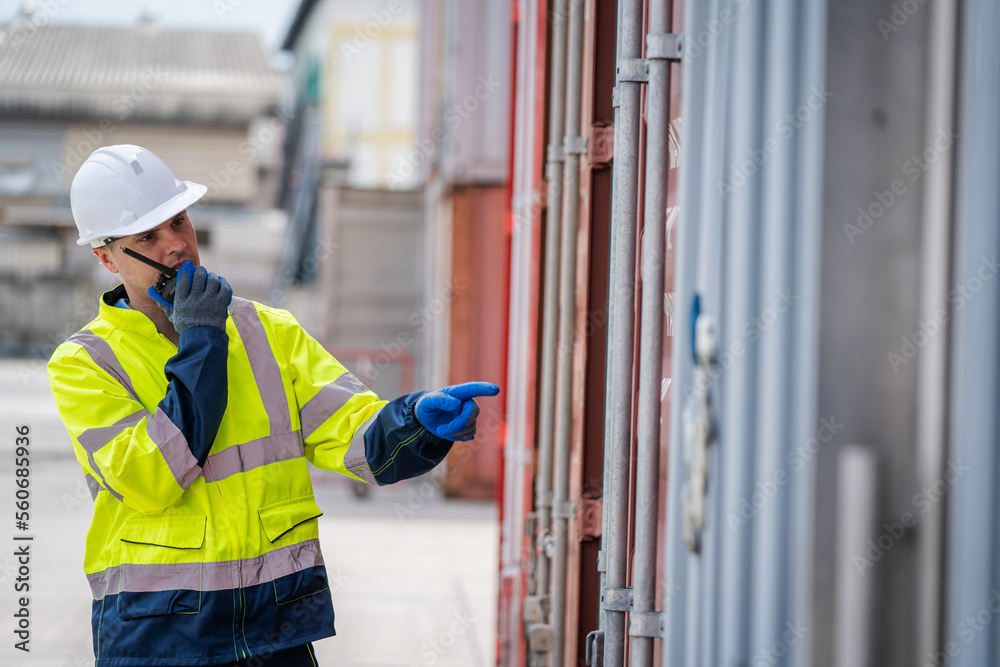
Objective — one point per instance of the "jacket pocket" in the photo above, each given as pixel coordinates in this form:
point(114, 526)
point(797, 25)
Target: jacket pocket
point(154, 579)
point(296, 569)
point(280, 518)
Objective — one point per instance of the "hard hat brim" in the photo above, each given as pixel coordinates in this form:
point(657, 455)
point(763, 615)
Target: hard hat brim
point(154, 218)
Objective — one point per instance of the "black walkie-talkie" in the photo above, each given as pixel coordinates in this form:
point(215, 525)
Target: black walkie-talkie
point(167, 281)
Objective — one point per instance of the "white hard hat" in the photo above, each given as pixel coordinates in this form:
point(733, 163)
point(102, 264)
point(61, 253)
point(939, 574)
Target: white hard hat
point(123, 190)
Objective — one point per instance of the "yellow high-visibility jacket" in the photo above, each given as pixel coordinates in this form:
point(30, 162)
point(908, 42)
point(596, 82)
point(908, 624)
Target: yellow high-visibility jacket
point(203, 557)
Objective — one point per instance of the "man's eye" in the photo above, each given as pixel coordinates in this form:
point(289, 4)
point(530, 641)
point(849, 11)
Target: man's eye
point(147, 237)
point(178, 222)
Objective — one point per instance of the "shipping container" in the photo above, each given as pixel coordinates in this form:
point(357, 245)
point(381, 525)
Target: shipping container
point(752, 371)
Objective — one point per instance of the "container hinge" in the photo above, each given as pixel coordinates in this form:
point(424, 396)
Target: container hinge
point(664, 46)
point(539, 638)
point(617, 599)
point(634, 70)
point(647, 624)
point(575, 145)
point(602, 144)
point(536, 609)
point(590, 518)
point(595, 649)
point(564, 509)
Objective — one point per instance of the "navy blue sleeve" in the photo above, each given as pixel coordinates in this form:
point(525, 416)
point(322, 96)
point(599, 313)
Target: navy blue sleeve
point(398, 447)
point(198, 389)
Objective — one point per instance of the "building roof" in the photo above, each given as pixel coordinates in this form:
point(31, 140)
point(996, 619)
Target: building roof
point(142, 73)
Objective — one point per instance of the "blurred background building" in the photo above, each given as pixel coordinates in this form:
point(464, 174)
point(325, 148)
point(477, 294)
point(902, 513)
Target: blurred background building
point(349, 261)
point(398, 163)
point(203, 100)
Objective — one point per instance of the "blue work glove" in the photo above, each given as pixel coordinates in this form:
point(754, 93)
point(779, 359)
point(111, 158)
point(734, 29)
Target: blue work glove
point(200, 299)
point(451, 412)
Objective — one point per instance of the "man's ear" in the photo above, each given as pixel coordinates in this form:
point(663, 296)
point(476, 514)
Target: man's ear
point(103, 255)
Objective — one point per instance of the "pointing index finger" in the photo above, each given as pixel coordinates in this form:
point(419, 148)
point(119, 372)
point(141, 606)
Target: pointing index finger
point(469, 390)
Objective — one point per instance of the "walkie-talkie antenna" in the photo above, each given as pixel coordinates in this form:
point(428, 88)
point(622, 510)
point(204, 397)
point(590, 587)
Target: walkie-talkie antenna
point(167, 281)
point(165, 270)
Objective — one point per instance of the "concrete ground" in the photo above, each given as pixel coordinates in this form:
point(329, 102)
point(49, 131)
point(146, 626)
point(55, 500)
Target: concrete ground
point(413, 575)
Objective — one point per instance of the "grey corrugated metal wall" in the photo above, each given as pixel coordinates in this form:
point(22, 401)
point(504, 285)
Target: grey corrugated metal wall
point(971, 635)
point(750, 218)
point(817, 244)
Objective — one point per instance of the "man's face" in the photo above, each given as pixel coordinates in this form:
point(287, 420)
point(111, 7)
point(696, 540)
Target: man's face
point(171, 243)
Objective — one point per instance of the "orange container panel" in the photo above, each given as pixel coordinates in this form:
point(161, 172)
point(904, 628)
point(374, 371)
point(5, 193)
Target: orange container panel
point(479, 329)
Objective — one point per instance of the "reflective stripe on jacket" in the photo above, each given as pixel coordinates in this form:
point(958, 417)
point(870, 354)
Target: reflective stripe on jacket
point(196, 564)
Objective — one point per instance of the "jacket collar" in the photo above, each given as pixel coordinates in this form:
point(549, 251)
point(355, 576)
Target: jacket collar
point(124, 318)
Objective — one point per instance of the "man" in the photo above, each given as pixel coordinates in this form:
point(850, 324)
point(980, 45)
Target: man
point(193, 420)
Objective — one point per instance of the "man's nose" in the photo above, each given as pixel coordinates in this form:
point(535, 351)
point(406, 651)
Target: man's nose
point(173, 243)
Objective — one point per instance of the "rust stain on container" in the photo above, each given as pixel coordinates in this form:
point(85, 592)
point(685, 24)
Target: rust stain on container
point(601, 145)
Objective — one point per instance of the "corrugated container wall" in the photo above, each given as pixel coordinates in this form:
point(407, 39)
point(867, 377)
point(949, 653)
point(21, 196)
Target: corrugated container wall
point(791, 458)
point(564, 246)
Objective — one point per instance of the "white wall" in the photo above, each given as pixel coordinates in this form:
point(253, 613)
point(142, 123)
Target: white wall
point(368, 53)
